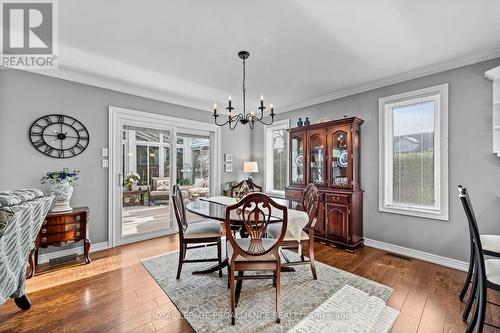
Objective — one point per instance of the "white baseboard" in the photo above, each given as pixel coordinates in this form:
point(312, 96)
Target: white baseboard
point(43, 258)
point(435, 259)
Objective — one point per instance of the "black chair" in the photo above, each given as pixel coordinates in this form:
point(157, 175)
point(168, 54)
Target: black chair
point(206, 232)
point(486, 273)
point(491, 247)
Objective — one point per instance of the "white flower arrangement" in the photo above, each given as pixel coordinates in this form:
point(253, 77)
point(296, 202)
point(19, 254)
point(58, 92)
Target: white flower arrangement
point(132, 178)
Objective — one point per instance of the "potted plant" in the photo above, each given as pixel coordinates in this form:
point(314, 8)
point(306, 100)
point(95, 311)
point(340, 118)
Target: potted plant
point(132, 179)
point(185, 182)
point(61, 185)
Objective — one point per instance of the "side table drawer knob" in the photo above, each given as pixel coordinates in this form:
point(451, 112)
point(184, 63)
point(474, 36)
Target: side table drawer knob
point(44, 231)
point(44, 239)
point(78, 225)
point(44, 222)
point(77, 233)
point(77, 218)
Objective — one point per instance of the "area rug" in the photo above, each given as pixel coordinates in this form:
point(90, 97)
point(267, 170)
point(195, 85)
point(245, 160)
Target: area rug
point(337, 302)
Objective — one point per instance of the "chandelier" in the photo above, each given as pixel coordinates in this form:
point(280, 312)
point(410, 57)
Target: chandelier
point(244, 118)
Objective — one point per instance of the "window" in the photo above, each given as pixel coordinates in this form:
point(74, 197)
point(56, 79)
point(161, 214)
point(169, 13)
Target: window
point(276, 157)
point(414, 153)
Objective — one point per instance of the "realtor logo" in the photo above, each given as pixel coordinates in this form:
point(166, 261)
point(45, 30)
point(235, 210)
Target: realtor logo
point(28, 34)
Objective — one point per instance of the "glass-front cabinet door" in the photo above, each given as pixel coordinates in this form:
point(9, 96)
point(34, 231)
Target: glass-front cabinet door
point(317, 157)
point(297, 158)
point(339, 157)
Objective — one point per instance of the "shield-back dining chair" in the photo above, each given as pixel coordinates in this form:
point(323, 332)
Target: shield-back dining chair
point(243, 188)
point(205, 232)
point(255, 253)
point(310, 200)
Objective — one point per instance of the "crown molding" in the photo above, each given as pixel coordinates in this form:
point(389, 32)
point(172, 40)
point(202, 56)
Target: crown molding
point(162, 95)
point(418, 73)
point(95, 81)
point(493, 74)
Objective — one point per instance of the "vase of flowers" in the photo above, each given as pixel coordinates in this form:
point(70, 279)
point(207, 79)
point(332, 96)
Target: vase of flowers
point(131, 179)
point(61, 185)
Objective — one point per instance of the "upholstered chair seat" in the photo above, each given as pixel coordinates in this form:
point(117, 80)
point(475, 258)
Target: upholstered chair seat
point(244, 243)
point(491, 243)
point(274, 230)
point(205, 229)
point(493, 270)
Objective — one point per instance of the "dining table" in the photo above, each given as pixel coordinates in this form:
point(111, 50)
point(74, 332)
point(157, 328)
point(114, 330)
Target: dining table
point(215, 208)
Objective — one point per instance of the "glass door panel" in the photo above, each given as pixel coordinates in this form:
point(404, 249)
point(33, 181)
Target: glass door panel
point(317, 159)
point(146, 186)
point(297, 160)
point(193, 168)
point(340, 159)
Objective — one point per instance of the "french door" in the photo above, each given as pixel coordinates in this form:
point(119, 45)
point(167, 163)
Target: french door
point(149, 154)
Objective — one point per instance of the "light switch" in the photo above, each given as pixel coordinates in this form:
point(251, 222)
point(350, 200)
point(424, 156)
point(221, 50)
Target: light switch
point(105, 163)
point(104, 152)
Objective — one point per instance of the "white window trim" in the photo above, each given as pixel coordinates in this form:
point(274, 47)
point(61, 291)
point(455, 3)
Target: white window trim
point(441, 210)
point(268, 149)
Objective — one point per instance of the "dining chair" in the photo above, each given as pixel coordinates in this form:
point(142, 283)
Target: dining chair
point(243, 188)
point(310, 200)
point(486, 273)
point(255, 253)
point(204, 232)
point(491, 247)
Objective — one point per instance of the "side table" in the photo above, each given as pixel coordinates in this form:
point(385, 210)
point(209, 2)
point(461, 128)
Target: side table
point(62, 228)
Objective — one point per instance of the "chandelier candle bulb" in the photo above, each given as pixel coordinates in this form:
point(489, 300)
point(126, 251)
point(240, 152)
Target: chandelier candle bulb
point(215, 109)
point(229, 99)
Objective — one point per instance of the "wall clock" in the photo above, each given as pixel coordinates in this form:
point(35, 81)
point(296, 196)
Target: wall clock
point(59, 136)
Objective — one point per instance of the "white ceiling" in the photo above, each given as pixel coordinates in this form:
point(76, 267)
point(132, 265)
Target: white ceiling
point(302, 51)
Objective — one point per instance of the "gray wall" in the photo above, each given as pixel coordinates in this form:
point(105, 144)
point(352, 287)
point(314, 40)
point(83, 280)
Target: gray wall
point(24, 97)
point(471, 161)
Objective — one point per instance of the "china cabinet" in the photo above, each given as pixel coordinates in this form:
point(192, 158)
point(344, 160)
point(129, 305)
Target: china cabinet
point(328, 155)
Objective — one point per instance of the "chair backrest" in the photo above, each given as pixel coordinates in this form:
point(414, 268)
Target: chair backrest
point(243, 188)
point(473, 230)
point(255, 211)
point(310, 201)
point(180, 211)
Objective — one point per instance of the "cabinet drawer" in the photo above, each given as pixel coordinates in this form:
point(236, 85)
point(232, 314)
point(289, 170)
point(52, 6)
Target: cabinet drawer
point(58, 228)
point(77, 218)
point(59, 237)
point(295, 195)
point(337, 198)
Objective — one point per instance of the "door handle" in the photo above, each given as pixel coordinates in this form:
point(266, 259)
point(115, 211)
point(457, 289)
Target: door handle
point(120, 179)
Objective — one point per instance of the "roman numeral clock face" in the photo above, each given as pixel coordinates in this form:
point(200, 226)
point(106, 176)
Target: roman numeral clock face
point(59, 136)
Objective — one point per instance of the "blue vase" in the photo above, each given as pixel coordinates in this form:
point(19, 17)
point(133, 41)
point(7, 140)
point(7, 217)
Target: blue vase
point(299, 123)
point(307, 122)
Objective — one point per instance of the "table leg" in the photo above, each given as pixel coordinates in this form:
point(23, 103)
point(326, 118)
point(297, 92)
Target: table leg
point(86, 248)
point(284, 267)
point(213, 268)
point(31, 261)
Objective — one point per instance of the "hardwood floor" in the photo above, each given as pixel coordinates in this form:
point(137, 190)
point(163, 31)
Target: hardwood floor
point(115, 293)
